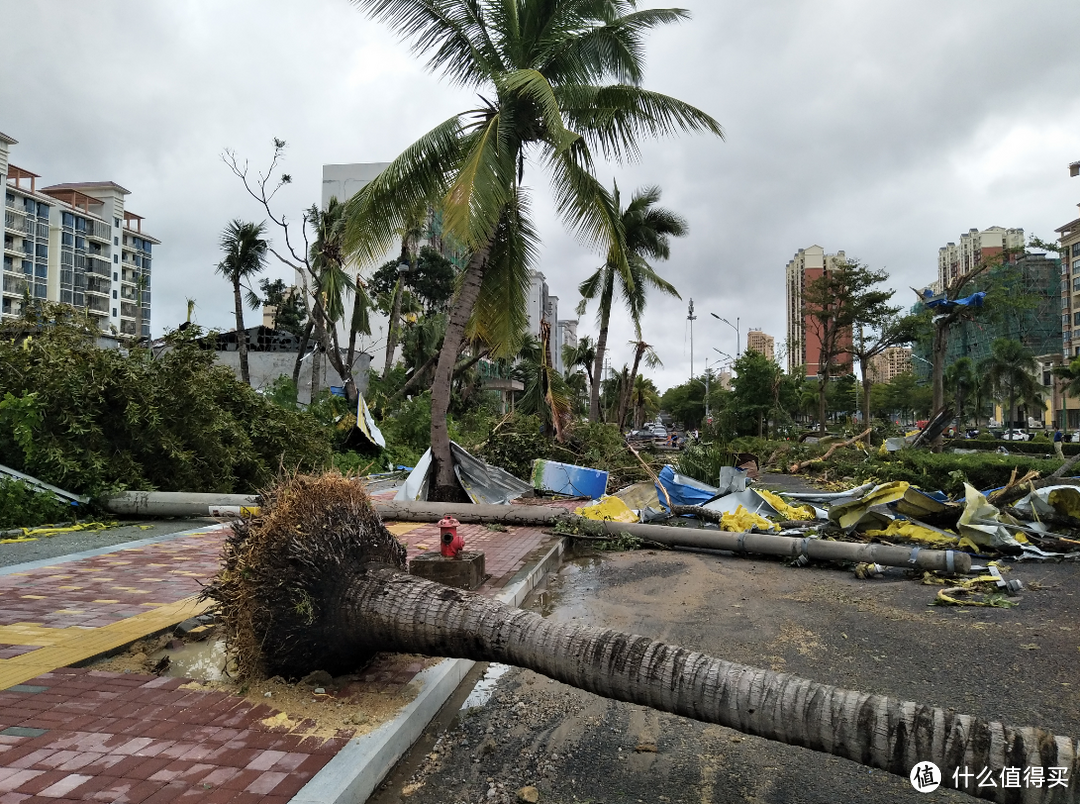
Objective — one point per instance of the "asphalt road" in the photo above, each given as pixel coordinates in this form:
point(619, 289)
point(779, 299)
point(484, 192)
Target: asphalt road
point(63, 544)
point(1016, 665)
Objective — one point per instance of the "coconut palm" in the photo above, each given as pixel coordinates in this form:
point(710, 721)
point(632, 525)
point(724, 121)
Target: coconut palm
point(652, 360)
point(245, 255)
point(647, 231)
point(645, 401)
point(962, 378)
point(1010, 370)
point(539, 69)
point(580, 356)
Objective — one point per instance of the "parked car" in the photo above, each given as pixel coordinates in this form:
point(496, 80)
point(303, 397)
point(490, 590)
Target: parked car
point(1016, 435)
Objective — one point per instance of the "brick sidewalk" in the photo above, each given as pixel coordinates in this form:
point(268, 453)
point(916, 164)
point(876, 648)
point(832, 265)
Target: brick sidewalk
point(76, 734)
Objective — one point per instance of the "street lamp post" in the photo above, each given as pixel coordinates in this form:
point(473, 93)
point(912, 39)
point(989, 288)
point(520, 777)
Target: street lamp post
point(735, 326)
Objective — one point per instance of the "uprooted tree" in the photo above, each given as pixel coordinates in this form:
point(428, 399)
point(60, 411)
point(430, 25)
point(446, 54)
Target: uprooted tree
point(316, 582)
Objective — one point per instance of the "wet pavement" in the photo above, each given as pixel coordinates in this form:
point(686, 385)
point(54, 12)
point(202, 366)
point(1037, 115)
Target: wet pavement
point(1016, 665)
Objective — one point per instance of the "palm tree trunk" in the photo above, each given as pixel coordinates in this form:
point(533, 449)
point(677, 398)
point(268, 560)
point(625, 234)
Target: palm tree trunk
point(866, 383)
point(391, 334)
point(601, 347)
point(445, 487)
point(241, 334)
point(317, 356)
point(625, 400)
point(823, 386)
point(389, 611)
point(937, 372)
point(304, 340)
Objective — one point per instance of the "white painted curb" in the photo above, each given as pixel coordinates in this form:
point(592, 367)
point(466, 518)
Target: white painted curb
point(358, 768)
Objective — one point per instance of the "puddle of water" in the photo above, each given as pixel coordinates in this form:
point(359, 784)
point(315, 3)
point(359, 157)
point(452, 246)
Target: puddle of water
point(481, 693)
point(202, 661)
point(570, 589)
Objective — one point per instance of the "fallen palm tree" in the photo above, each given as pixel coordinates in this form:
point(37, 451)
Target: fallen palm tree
point(315, 582)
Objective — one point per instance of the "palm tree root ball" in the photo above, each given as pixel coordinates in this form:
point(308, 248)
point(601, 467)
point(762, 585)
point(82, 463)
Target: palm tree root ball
point(316, 582)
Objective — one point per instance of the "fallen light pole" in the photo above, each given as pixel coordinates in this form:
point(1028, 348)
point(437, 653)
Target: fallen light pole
point(161, 503)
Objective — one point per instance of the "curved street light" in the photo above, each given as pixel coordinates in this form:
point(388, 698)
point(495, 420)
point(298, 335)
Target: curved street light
point(735, 326)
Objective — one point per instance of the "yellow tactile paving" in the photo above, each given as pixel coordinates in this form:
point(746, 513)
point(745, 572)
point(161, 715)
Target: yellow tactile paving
point(401, 528)
point(80, 644)
point(29, 634)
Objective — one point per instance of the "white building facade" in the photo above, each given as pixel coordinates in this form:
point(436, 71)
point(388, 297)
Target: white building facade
point(75, 243)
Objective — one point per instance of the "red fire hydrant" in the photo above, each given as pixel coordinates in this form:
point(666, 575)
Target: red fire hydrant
point(451, 541)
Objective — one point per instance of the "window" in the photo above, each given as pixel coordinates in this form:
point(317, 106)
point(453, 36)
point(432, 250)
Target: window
point(116, 241)
point(115, 258)
point(116, 223)
point(67, 239)
point(68, 220)
point(114, 312)
point(1065, 320)
point(29, 205)
point(80, 242)
point(39, 291)
point(43, 210)
point(115, 276)
point(114, 294)
point(41, 271)
point(1076, 249)
point(27, 267)
point(42, 249)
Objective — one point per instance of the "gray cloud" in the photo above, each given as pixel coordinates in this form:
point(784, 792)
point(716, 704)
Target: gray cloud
point(883, 129)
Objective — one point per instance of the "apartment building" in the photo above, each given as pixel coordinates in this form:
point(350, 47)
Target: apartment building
point(75, 243)
point(888, 364)
point(974, 248)
point(804, 343)
point(758, 341)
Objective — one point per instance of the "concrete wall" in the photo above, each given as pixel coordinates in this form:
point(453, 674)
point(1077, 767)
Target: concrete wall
point(265, 367)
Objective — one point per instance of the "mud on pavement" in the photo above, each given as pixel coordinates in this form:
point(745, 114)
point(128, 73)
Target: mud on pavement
point(1016, 665)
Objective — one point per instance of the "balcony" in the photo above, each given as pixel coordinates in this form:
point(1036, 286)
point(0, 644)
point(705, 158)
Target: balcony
point(98, 287)
point(15, 284)
point(95, 304)
point(15, 221)
point(98, 267)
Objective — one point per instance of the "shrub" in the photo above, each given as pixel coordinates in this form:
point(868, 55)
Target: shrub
point(23, 506)
point(104, 419)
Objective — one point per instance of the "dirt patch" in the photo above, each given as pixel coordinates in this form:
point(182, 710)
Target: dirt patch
point(347, 706)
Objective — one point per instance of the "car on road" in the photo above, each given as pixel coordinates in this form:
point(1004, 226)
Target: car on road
point(1016, 435)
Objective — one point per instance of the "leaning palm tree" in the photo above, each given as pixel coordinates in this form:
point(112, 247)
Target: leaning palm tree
point(580, 356)
point(316, 582)
point(245, 255)
point(647, 230)
point(1010, 370)
point(539, 69)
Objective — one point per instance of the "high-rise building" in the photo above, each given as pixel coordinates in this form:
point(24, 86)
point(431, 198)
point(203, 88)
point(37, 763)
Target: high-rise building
point(1069, 249)
point(758, 341)
point(803, 339)
point(975, 247)
point(889, 363)
point(75, 243)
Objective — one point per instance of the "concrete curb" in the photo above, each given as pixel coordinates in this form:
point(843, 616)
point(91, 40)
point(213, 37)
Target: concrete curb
point(358, 768)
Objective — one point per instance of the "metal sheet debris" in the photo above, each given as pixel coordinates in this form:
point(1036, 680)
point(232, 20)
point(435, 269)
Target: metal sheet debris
point(568, 479)
point(483, 482)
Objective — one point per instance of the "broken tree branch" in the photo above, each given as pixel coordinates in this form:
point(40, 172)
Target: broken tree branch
point(798, 467)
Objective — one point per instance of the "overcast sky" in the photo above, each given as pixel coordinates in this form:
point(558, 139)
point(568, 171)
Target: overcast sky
point(883, 129)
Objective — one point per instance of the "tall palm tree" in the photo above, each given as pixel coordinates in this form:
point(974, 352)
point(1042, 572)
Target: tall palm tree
point(331, 281)
point(647, 230)
point(539, 69)
point(645, 401)
point(962, 378)
point(580, 356)
point(652, 360)
point(245, 255)
point(1010, 372)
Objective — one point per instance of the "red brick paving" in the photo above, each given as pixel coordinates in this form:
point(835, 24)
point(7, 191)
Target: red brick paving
point(142, 739)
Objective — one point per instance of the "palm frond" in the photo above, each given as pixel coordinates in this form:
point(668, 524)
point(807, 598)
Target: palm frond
point(375, 217)
point(482, 188)
point(455, 34)
point(613, 118)
point(532, 84)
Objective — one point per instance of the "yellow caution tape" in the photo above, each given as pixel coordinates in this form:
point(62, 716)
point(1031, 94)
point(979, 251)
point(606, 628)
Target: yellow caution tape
point(31, 534)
